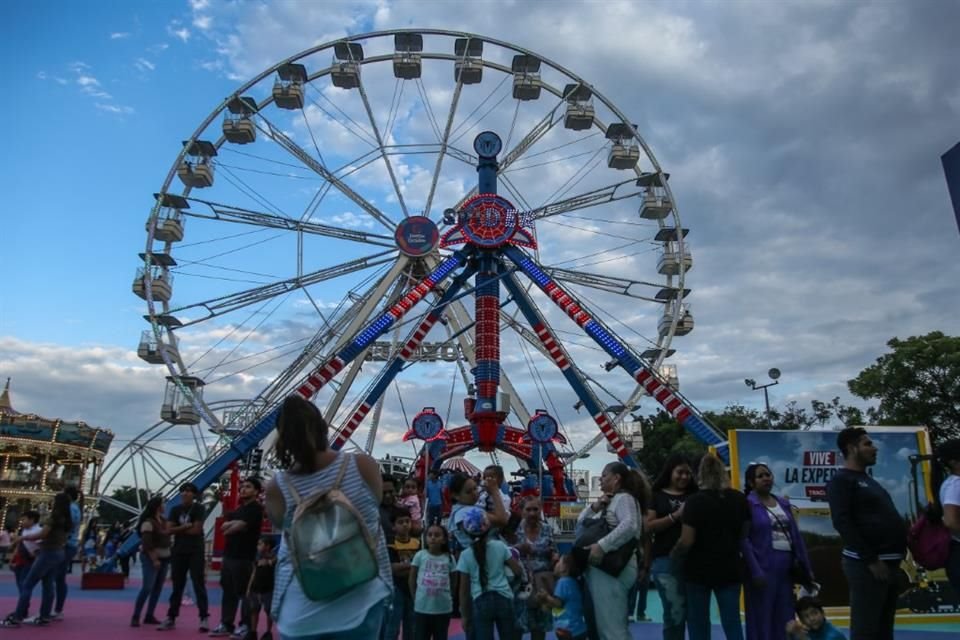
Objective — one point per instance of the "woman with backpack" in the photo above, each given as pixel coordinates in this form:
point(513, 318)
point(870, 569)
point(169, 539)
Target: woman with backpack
point(316, 597)
point(949, 454)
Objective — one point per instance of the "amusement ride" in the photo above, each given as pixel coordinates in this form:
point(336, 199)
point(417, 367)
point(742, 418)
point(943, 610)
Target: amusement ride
point(332, 229)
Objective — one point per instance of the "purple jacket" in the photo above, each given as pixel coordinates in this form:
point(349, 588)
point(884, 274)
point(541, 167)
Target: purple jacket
point(757, 547)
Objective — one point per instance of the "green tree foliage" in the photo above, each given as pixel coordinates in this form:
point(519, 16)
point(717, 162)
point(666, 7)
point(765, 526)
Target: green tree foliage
point(110, 513)
point(917, 383)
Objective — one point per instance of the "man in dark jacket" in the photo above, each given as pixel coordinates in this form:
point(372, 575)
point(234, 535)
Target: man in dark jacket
point(874, 537)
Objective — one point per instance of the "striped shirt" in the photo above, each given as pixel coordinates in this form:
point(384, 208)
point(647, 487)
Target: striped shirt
point(297, 615)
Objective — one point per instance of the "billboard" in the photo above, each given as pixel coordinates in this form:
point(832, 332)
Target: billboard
point(803, 462)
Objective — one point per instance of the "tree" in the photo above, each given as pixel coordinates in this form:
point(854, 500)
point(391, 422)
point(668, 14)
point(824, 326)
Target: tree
point(109, 512)
point(847, 416)
point(917, 384)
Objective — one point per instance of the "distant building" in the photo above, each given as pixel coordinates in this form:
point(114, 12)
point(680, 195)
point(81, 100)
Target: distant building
point(41, 456)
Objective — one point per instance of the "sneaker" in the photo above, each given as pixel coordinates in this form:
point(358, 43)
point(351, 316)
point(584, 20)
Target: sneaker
point(239, 633)
point(57, 616)
point(150, 620)
point(204, 624)
point(220, 631)
point(187, 601)
point(10, 621)
point(134, 622)
point(167, 625)
point(39, 622)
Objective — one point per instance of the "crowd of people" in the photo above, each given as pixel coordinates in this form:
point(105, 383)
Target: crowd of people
point(362, 556)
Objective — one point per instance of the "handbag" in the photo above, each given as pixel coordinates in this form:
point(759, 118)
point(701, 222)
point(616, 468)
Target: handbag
point(798, 570)
point(594, 530)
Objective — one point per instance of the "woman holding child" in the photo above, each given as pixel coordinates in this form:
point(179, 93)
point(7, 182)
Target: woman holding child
point(538, 554)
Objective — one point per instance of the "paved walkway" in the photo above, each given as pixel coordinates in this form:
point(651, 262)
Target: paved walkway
point(105, 615)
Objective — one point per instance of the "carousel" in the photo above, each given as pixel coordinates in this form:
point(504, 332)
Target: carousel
point(42, 456)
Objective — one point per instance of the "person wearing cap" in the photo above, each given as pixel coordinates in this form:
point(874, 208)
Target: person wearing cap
point(486, 600)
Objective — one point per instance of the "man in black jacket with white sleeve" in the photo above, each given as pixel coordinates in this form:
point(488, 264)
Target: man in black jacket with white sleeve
point(874, 537)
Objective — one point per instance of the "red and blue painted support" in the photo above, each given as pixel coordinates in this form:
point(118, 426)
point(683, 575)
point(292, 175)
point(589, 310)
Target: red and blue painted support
point(671, 400)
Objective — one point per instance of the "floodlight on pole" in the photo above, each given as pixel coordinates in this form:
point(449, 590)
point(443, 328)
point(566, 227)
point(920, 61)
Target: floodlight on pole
point(774, 374)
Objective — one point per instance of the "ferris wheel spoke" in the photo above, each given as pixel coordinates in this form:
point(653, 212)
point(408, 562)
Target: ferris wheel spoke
point(347, 381)
point(301, 154)
point(538, 131)
point(225, 304)
point(230, 213)
point(383, 152)
point(559, 356)
point(444, 144)
point(593, 198)
point(602, 282)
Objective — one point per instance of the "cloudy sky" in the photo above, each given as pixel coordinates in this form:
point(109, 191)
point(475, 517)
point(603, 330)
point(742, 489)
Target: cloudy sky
point(802, 138)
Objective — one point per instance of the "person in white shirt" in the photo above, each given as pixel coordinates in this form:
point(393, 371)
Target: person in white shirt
point(949, 454)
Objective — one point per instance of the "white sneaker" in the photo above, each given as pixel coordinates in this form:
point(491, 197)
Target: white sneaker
point(204, 625)
point(239, 633)
point(220, 631)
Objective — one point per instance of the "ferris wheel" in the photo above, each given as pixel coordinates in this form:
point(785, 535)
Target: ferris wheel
point(323, 231)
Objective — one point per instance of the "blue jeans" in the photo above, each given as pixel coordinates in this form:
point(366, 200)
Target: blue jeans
point(400, 613)
point(153, 579)
point(637, 598)
point(698, 610)
point(669, 582)
point(69, 553)
point(491, 610)
point(953, 565)
point(369, 628)
point(873, 603)
point(44, 568)
point(609, 596)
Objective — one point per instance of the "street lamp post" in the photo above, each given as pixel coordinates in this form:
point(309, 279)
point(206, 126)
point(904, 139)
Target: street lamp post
point(775, 376)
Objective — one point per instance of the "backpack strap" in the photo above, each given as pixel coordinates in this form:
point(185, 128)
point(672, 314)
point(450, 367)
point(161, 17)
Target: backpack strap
point(345, 458)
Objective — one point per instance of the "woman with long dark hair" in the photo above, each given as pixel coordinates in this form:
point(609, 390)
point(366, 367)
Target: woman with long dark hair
point(664, 521)
point(625, 499)
point(715, 519)
point(771, 546)
point(154, 559)
point(486, 601)
point(50, 555)
point(311, 467)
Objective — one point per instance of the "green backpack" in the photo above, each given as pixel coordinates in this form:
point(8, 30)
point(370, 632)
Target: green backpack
point(331, 548)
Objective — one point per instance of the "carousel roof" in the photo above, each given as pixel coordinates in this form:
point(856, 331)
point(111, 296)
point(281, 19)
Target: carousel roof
point(461, 465)
point(5, 405)
point(28, 426)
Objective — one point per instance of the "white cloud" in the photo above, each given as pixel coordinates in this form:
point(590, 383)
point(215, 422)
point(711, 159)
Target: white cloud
point(199, 5)
point(176, 30)
point(142, 64)
point(41, 75)
point(113, 108)
point(203, 22)
point(119, 35)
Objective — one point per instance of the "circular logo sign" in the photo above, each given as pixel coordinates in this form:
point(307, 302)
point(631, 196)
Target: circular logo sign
point(489, 220)
point(417, 236)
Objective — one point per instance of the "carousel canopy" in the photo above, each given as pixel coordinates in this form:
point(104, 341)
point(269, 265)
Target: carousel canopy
point(460, 465)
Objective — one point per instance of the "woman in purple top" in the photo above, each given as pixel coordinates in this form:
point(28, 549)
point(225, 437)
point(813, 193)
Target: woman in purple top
point(769, 549)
